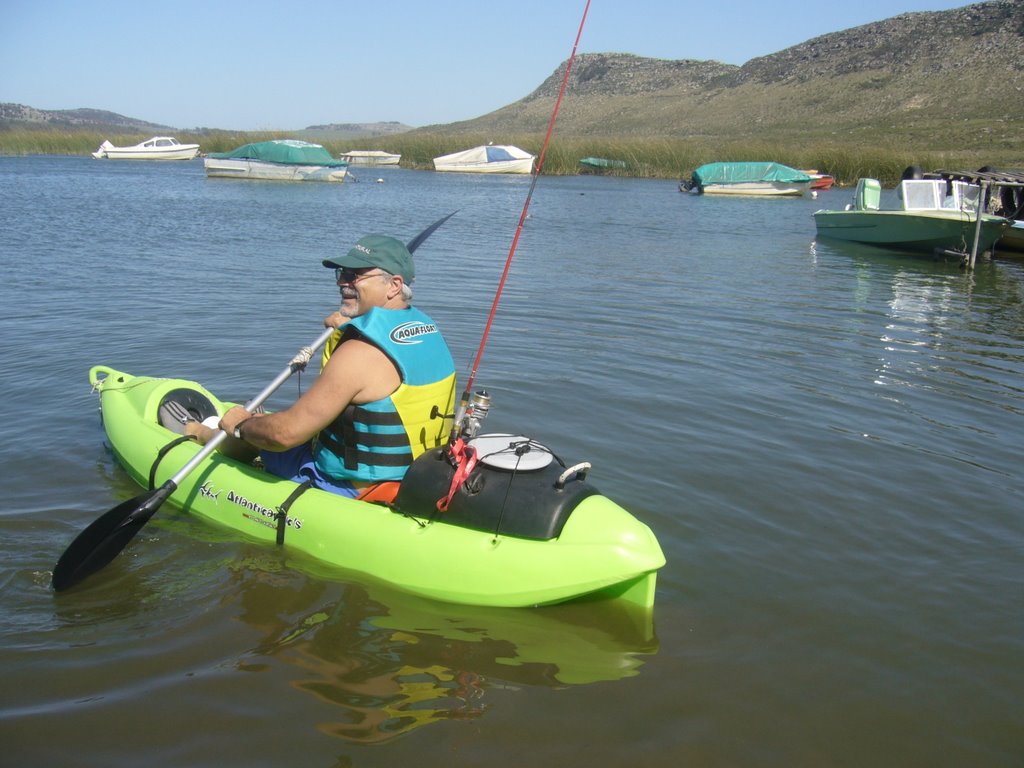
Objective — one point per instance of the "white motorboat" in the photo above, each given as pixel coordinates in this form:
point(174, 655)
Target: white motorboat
point(156, 148)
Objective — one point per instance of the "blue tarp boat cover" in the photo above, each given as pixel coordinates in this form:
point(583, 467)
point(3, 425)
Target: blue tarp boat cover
point(286, 151)
point(494, 154)
point(741, 173)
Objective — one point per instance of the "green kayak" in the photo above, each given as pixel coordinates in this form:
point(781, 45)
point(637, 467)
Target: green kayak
point(522, 530)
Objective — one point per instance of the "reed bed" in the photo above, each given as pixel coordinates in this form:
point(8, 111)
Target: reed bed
point(664, 158)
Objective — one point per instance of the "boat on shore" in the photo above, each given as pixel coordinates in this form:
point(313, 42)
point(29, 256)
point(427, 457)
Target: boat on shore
point(923, 218)
point(370, 157)
point(156, 148)
point(276, 160)
point(522, 530)
point(601, 165)
point(492, 158)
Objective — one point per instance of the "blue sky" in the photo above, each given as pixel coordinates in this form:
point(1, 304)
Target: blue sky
point(248, 66)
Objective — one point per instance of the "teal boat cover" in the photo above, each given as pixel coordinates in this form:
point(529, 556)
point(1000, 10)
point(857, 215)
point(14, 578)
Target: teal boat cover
point(741, 173)
point(600, 162)
point(285, 151)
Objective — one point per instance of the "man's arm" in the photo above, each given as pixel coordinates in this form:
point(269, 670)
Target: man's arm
point(357, 372)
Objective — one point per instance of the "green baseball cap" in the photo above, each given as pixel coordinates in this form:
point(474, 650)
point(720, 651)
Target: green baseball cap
point(380, 251)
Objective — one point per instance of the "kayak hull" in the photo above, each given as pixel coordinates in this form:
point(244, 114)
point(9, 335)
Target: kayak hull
point(600, 550)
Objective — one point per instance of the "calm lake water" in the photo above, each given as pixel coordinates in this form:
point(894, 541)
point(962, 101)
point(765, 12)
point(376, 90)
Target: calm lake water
point(826, 439)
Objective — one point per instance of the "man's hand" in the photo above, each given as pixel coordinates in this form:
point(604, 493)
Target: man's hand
point(335, 320)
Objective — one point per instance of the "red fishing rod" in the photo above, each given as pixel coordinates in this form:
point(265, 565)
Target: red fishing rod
point(481, 403)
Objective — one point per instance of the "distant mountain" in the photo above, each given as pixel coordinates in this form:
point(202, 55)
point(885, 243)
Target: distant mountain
point(956, 73)
point(362, 129)
point(20, 116)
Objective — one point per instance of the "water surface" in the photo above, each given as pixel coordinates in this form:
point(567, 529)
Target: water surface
point(826, 439)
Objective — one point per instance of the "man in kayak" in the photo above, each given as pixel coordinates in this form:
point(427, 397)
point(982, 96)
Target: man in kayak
point(385, 395)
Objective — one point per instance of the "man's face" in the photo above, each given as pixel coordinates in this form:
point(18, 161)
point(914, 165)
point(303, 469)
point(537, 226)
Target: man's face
point(362, 289)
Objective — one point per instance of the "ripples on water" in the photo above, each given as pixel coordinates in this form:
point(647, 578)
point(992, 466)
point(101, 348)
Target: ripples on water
point(825, 438)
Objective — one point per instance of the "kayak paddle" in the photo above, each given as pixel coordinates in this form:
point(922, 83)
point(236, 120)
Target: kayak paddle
point(98, 544)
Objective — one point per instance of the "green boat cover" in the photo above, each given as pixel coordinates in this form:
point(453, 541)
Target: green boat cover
point(286, 151)
point(600, 162)
point(740, 173)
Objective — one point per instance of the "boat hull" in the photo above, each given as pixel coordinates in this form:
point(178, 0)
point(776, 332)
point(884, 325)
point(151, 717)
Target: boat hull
point(370, 157)
point(760, 188)
point(524, 165)
point(926, 231)
point(185, 152)
point(238, 168)
point(1012, 239)
point(600, 550)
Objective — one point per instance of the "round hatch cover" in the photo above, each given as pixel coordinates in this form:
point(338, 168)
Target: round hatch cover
point(511, 452)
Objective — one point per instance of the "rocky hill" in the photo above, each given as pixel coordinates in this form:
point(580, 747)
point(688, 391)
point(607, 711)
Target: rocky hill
point(371, 129)
point(20, 116)
point(959, 73)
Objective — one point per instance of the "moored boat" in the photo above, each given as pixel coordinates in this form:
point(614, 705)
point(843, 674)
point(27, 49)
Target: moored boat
point(156, 148)
point(522, 530)
point(924, 218)
point(276, 160)
point(1003, 195)
point(493, 158)
point(601, 164)
point(370, 157)
point(1012, 239)
point(762, 179)
point(820, 180)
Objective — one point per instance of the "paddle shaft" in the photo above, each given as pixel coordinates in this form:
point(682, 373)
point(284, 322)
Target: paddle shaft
point(221, 435)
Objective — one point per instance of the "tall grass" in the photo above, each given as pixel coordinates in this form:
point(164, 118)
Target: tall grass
point(664, 158)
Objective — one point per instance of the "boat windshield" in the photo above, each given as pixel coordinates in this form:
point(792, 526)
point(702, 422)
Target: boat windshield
point(931, 195)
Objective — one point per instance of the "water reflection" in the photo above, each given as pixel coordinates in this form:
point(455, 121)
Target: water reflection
point(391, 663)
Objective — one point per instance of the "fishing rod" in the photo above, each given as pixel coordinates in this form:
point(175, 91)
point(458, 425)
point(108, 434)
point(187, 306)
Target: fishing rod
point(482, 403)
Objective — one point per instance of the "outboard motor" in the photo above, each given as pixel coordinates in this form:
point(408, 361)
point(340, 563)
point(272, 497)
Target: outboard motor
point(912, 172)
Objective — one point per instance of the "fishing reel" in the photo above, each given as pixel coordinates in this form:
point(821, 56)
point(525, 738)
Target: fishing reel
point(468, 426)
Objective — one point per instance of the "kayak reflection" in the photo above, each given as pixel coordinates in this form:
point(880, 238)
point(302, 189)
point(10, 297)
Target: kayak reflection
point(393, 662)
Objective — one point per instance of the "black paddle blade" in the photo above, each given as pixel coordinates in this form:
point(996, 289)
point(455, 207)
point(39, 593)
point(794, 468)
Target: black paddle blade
point(418, 240)
point(98, 544)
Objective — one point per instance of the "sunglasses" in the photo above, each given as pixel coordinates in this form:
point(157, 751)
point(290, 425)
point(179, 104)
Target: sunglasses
point(351, 277)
